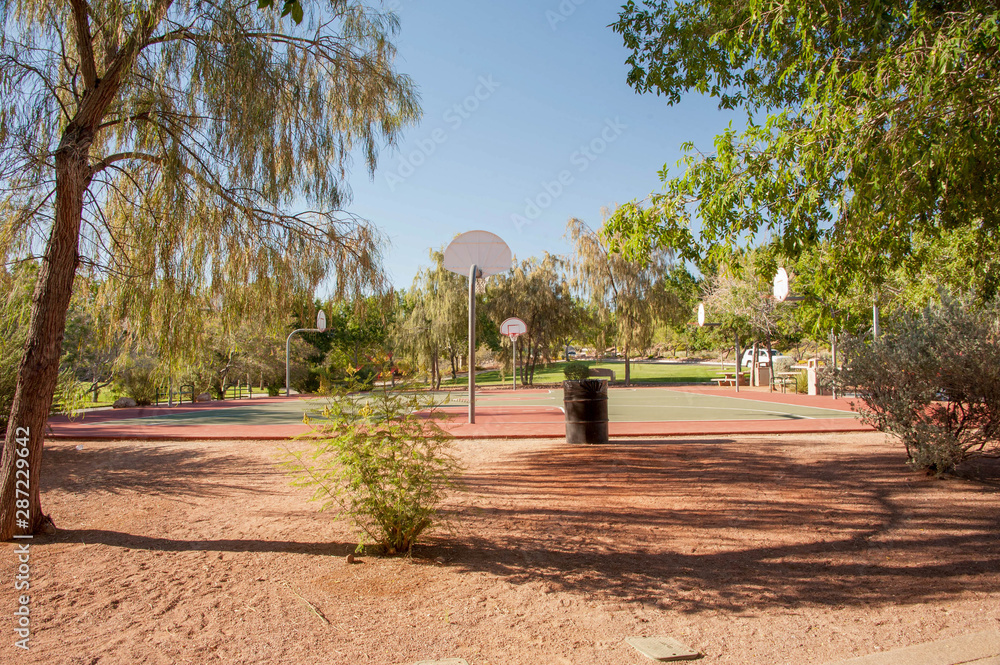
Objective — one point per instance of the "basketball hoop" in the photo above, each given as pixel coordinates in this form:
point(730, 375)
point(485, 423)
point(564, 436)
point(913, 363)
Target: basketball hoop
point(780, 290)
point(482, 284)
point(513, 327)
point(476, 254)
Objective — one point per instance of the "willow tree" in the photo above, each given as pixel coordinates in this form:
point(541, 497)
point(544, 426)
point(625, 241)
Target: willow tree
point(633, 295)
point(171, 146)
point(536, 291)
point(437, 320)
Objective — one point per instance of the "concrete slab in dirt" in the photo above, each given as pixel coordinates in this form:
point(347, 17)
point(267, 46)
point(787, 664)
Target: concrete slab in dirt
point(664, 649)
point(973, 649)
point(446, 661)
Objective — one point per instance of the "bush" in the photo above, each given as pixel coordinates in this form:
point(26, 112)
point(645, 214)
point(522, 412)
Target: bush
point(307, 381)
point(576, 371)
point(273, 390)
point(933, 381)
point(137, 379)
point(364, 377)
point(385, 467)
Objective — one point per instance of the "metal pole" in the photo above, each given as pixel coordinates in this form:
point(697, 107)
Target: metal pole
point(736, 381)
point(514, 382)
point(288, 346)
point(876, 328)
point(833, 354)
point(473, 272)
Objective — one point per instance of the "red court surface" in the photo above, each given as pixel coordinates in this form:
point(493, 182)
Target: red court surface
point(535, 413)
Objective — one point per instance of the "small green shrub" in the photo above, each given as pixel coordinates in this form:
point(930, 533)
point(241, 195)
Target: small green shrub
point(365, 377)
point(273, 390)
point(576, 371)
point(307, 382)
point(802, 382)
point(137, 379)
point(383, 465)
point(933, 381)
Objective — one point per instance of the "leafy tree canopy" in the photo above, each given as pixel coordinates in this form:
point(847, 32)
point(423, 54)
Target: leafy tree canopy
point(869, 124)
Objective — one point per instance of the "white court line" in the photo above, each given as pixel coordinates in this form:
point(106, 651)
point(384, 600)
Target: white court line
point(759, 401)
point(723, 408)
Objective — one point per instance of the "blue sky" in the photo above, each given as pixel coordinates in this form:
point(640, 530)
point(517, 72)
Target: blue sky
point(527, 122)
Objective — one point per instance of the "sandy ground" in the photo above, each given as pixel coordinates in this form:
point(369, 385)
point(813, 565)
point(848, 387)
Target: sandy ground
point(750, 549)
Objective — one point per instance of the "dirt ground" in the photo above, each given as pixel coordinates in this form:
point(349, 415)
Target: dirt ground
point(750, 549)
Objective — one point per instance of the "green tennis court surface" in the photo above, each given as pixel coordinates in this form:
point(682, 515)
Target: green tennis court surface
point(499, 413)
point(634, 405)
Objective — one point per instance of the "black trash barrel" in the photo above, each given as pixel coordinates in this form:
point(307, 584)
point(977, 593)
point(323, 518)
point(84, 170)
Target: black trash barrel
point(586, 404)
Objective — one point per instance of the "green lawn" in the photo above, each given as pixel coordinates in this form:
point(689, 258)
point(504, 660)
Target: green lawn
point(641, 373)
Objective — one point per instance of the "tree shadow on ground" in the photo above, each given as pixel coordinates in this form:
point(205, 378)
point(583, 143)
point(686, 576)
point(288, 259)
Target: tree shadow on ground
point(152, 543)
point(149, 469)
point(694, 525)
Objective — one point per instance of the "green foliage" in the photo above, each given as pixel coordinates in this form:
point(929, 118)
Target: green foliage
point(932, 380)
point(632, 295)
point(434, 317)
point(382, 464)
point(15, 307)
point(138, 379)
point(536, 291)
point(293, 7)
point(71, 396)
point(868, 124)
point(309, 381)
point(576, 371)
point(215, 126)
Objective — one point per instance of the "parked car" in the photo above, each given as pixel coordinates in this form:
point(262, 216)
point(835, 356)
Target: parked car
point(761, 356)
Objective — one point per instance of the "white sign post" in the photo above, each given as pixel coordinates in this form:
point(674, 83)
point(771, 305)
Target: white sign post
point(476, 254)
point(320, 327)
point(514, 328)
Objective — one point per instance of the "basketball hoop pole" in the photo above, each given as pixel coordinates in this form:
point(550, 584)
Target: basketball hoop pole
point(482, 254)
point(514, 367)
point(473, 272)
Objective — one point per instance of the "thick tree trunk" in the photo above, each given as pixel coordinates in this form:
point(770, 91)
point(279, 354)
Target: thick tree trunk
point(38, 372)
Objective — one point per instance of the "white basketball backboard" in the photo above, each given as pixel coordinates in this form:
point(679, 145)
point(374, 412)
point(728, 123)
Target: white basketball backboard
point(513, 327)
point(781, 285)
point(321, 321)
point(487, 251)
point(701, 314)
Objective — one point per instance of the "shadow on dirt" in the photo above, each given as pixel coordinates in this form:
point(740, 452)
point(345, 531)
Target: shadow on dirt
point(138, 542)
point(693, 525)
point(147, 468)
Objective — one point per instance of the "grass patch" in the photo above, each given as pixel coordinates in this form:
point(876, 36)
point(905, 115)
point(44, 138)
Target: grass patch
point(649, 373)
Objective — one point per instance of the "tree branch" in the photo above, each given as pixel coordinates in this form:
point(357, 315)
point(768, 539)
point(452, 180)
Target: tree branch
point(84, 43)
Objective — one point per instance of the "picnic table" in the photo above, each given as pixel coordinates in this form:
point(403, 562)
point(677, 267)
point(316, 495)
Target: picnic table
point(729, 379)
point(786, 378)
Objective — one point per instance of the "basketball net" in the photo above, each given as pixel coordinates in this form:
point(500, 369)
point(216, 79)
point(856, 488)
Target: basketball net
point(482, 284)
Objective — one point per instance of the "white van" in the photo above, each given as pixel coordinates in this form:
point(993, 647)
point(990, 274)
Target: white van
point(762, 358)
